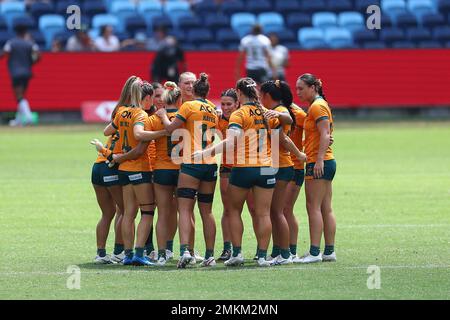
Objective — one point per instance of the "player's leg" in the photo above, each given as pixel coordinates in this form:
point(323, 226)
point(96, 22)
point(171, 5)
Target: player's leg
point(251, 210)
point(108, 209)
point(164, 200)
point(205, 198)
point(149, 248)
point(226, 235)
point(292, 193)
point(117, 195)
point(329, 224)
point(130, 211)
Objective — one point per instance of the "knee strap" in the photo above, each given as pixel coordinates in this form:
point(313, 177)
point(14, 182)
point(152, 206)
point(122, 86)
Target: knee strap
point(149, 213)
point(188, 193)
point(205, 198)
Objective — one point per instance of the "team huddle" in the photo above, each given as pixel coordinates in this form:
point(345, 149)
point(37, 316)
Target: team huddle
point(161, 155)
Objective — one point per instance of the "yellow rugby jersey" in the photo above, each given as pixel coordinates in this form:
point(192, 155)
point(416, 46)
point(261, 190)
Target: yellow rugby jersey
point(201, 120)
point(163, 145)
point(284, 155)
point(297, 134)
point(256, 153)
point(319, 110)
point(124, 122)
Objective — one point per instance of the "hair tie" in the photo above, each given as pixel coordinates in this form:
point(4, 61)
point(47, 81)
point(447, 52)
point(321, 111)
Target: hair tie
point(251, 85)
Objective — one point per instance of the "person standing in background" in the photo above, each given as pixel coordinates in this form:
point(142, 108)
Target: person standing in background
point(279, 56)
point(169, 61)
point(22, 53)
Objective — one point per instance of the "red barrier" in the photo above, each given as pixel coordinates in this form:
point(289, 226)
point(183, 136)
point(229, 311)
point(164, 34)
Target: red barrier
point(353, 78)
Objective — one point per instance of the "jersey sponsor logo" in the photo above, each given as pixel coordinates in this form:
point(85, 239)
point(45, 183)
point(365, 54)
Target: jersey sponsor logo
point(135, 177)
point(126, 114)
point(271, 181)
point(110, 178)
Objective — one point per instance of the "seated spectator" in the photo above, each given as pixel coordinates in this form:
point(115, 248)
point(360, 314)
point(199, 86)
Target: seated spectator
point(158, 40)
point(57, 45)
point(80, 41)
point(107, 41)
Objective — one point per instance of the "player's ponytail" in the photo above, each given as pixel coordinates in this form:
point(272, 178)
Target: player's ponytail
point(147, 90)
point(124, 99)
point(201, 86)
point(311, 80)
point(171, 93)
point(136, 93)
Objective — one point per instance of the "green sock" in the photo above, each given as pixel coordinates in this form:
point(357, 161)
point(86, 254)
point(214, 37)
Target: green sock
point(261, 253)
point(209, 253)
point(162, 253)
point(169, 245)
point(139, 252)
point(118, 248)
point(275, 251)
point(227, 245)
point(236, 251)
point(293, 249)
point(285, 253)
point(101, 252)
point(183, 248)
point(129, 253)
point(329, 249)
point(314, 251)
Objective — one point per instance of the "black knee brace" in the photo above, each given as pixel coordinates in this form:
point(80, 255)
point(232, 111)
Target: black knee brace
point(188, 193)
point(205, 198)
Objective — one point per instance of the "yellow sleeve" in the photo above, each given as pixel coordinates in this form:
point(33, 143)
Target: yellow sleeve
point(139, 118)
point(184, 112)
point(236, 120)
point(319, 112)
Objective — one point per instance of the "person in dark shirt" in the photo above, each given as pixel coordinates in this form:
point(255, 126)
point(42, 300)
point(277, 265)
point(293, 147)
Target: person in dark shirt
point(169, 62)
point(22, 53)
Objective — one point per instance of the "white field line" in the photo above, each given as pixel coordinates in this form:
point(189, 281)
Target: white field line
point(231, 269)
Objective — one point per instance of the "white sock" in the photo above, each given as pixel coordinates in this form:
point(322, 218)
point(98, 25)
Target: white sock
point(24, 110)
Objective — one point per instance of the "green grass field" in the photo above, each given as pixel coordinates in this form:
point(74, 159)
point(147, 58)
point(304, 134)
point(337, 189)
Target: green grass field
point(391, 199)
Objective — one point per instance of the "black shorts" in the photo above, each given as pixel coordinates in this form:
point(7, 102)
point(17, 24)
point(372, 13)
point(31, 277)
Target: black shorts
point(249, 177)
point(21, 81)
point(259, 75)
point(104, 176)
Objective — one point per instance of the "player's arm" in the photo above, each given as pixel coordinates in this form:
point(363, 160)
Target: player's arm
point(100, 148)
point(228, 143)
point(323, 126)
point(142, 135)
point(170, 126)
point(290, 146)
point(132, 154)
point(283, 117)
point(110, 129)
point(35, 54)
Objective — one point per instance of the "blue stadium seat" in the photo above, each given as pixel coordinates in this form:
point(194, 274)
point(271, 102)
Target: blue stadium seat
point(386, 21)
point(148, 10)
point(175, 10)
point(122, 35)
point(205, 7)
point(403, 45)
point(92, 8)
point(339, 5)
point(351, 20)
point(49, 24)
point(338, 38)
point(441, 33)
point(286, 7)
point(189, 22)
point(298, 20)
point(3, 25)
point(10, 10)
point(179, 34)
point(311, 38)
point(38, 9)
point(105, 19)
point(258, 6)
point(421, 7)
point(215, 22)
point(390, 35)
point(362, 36)
point(324, 20)
point(109, 3)
point(199, 36)
point(271, 21)
point(447, 44)
point(188, 47)
point(286, 36)
point(122, 10)
point(308, 6)
point(374, 45)
point(362, 5)
point(444, 6)
point(5, 36)
point(431, 20)
point(406, 20)
point(393, 8)
point(429, 44)
point(242, 22)
point(418, 34)
point(292, 45)
point(233, 47)
point(24, 20)
point(210, 47)
point(233, 6)
point(227, 36)
point(135, 23)
point(162, 21)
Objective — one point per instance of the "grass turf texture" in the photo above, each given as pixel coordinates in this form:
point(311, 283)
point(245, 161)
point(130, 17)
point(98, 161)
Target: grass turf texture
point(391, 199)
